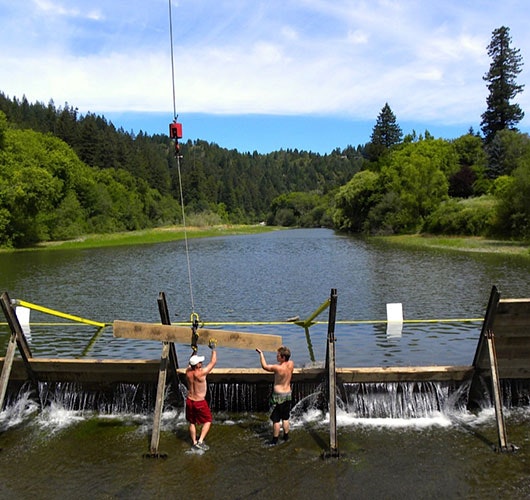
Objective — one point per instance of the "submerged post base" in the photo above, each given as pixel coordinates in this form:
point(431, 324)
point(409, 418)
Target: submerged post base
point(509, 448)
point(155, 455)
point(331, 454)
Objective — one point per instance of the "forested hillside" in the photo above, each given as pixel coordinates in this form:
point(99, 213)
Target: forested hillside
point(64, 174)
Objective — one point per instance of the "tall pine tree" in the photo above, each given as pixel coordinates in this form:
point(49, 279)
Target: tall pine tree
point(385, 134)
point(506, 64)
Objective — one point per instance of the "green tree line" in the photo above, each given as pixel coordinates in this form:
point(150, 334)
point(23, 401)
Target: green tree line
point(63, 174)
point(466, 186)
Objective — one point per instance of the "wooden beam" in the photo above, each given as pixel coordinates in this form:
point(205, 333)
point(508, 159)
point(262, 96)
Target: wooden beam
point(109, 371)
point(404, 374)
point(182, 335)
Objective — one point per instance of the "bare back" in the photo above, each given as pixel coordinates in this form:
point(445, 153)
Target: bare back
point(196, 384)
point(196, 379)
point(282, 376)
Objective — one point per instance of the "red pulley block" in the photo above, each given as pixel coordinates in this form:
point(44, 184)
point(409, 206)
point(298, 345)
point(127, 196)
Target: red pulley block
point(175, 130)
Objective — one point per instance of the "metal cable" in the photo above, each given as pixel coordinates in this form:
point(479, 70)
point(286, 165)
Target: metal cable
point(177, 155)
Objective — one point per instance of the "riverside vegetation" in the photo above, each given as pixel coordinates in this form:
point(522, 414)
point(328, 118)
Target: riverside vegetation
point(65, 175)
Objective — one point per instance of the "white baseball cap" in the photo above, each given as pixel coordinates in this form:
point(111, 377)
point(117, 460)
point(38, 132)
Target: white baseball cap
point(194, 360)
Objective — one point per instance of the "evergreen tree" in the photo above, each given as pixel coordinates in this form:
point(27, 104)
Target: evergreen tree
point(506, 64)
point(385, 134)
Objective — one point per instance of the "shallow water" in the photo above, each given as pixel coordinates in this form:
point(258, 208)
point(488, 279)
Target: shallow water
point(64, 456)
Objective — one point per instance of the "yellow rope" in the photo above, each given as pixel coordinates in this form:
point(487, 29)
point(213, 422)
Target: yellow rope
point(341, 322)
point(194, 316)
point(60, 314)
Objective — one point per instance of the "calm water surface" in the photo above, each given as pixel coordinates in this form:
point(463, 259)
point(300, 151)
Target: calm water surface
point(57, 453)
point(269, 277)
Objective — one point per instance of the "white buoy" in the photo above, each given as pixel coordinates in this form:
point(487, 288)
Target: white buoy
point(23, 318)
point(394, 318)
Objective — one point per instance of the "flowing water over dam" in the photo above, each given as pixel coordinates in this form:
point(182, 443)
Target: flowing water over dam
point(397, 440)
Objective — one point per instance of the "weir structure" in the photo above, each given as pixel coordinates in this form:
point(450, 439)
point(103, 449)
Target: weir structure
point(502, 357)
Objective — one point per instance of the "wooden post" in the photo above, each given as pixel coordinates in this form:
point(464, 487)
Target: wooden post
point(17, 338)
point(6, 369)
point(159, 406)
point(332, 377)
point(162, 375)
point(15, 327)
point(497, 397)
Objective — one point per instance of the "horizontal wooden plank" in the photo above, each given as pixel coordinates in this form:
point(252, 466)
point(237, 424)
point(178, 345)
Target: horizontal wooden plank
point(109, 371)
point(182, 335)
point(404, 374)
point(97, 371)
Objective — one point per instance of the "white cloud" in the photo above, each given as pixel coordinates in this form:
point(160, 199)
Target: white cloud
point(344, 57)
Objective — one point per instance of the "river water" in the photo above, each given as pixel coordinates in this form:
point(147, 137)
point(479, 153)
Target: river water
point(58, 453)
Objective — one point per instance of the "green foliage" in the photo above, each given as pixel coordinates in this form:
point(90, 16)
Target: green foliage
point(3, 128)
point(354, 201)
point(417, 173)
point(471, 217)
point(469, 180)
point(506, 64)
point(506, 151)
point(47, 193)
point(298, 209)
point(513, 193)
point(63, 175)
point(126, 182)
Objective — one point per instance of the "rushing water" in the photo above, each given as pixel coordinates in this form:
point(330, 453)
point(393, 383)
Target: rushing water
point(56, 452)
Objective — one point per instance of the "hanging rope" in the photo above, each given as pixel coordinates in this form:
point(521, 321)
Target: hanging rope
point(176, 134)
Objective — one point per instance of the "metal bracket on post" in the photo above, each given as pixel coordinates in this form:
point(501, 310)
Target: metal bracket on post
point(332, 378)
point(497, 397)
point(173, 360)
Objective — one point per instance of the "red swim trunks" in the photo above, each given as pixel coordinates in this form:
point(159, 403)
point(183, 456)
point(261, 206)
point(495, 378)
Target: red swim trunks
point(198, 412)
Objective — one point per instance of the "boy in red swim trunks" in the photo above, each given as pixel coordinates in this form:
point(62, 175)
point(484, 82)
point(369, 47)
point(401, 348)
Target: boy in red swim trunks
point(197, 409)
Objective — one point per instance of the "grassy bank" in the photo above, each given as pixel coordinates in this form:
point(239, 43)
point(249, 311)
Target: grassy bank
point(150, 236)
point(461, 244)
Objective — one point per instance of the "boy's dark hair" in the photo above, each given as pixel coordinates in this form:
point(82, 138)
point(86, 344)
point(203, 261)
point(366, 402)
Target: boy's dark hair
point(284, 352)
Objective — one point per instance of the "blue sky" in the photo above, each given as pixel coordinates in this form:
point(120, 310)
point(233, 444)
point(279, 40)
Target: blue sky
point(263, 75)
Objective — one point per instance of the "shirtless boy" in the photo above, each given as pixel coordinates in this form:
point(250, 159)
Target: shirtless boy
point(197, 409)
point(281, 396)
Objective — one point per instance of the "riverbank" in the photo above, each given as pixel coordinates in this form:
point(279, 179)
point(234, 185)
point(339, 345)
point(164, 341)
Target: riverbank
point(177, 232)
point(460, 244)
point(149, 236)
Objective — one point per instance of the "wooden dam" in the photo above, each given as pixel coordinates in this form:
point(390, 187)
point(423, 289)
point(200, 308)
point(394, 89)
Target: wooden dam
point(502, 356)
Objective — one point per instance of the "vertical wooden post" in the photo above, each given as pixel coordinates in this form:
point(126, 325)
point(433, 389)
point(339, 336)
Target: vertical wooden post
point(162, 375)
point(497, 397)
point(17, 338)
point(15, 327)
point(159, 406)
point(332, 378)
point(6, 369)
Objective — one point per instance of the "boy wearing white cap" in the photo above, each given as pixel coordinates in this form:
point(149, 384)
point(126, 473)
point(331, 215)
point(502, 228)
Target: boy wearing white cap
point(197, 409)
